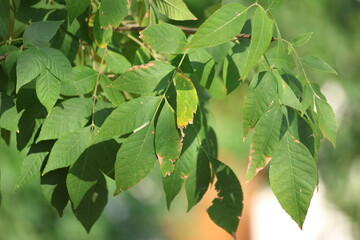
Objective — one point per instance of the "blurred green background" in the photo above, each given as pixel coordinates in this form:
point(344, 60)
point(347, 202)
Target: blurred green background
point(141, 213)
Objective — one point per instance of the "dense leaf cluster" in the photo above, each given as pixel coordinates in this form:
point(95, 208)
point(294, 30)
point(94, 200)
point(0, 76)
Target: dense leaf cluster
point(88, 102)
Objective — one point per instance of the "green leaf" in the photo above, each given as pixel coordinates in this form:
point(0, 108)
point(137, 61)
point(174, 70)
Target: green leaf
point(289, 98)
point(47, 89)
point(38, 34)
point(268, 133)
point(28, 67)
point(227, 207)
point(67, 116)
point(32, 163)
point(293, 177)
point(82, 176)
point(326, 120)
point(220, 27)
point(67, 149)
point(274, 4)
point(302, 39)
point(112, 12)
point(135, 159)
point(53, 186)
point(56, 62)
point(234, 64)
point(128, 117)
point(76, 7)
point(165, 38)
point(186, 100)
point(9, 116)
point(82, 81)
point(174, 9)
point(167, 139)
point(144, 79)
point(192, 168)
point(116, 62)
point(4, 19)
point(318, 64)
point(9, 65)
point(260, 97)
point(307, 98)
point(261, 35)
point(115, 96)
point(203, 66)
point(102, 36)
point(29, 124)
point(92, 205)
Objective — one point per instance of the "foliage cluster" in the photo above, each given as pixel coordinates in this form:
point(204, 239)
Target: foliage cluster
point(89, 99)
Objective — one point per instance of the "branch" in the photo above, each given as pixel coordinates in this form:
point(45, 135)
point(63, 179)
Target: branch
point(3, 57)
point(186, 30)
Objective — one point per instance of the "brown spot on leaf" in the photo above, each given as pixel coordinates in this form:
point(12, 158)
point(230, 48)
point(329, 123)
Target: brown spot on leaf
point(160, 158)
point(142, 66)
point(295, 140)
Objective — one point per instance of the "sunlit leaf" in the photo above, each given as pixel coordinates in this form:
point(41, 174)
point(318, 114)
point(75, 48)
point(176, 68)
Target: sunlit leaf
point(47, 89)
point(327, 121)
point(318, 64)
point(165, 38)
point(28, 67)
point(268, 133)
point(82, 80)
point(112, 12)
point(174, 9)
point(167, 139)
point(293, 177)
point(135, 159)
point(151, 77)
point(302, 39)
point(116, 62)
point(186, 100)
point(220, 27)
point(261, 34)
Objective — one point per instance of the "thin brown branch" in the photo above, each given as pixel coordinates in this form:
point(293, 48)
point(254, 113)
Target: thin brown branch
point(3, 57)
point(186, 30)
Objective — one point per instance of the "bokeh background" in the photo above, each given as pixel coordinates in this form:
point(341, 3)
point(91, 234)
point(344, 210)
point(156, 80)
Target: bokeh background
point(141, 214)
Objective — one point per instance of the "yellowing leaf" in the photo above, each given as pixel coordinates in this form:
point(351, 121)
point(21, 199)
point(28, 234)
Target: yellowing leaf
point(186, 100)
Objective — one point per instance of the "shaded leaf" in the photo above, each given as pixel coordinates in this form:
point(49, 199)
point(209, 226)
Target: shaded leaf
point(76, 7)
point(261, 34)
point(63, 119)
point(4, 19)
point(165, 38)
point(67, 149)
point(53, 186)
point(128, 117)
point(82, 80)
point(135, 159)
point(9, 116)
point(220, 27)
point(227, 207)
point(174, 9)
point(92, 205)
point(147, 78)
point(167, 139)
point(112, 12)
point(293, 177)
point(289, 98)
point(268, 133)
point(186, 100)
point(47, 89)
point(38, 34)
point(29, 124)
point(326, 120)
point(318, 64)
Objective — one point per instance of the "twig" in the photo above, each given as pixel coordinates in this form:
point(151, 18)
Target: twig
point(186, 30)
point(3, 57)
